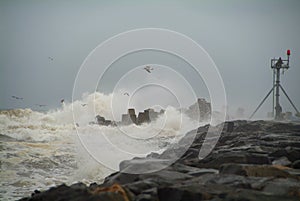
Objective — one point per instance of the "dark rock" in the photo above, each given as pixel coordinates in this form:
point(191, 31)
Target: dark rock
point(120, 178)
point(282, 187)
point(145, 197)
point(153, 155)
point(250, 195)
point(177, 194)
point(232, 169)
point(230, 126)
point(256, 170)
point(143, 165)
point(190, 153)
point(257, 160)
point(78, 186)
point(142, 185)
point(35, 192)
point(62, 192)
point(216, 160)
point(296, 164)
point(93, 186)
point(292, 154)
point(278, 153)
point(110, 196)
point(283, 161)
point(193, 171)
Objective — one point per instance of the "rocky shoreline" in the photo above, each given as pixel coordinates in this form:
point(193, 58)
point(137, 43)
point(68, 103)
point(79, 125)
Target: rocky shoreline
point(253, 160)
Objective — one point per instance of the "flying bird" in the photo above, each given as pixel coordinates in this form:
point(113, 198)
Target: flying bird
point(83, 105)
point(18, 98)
point(51, 58)
point(148, 69)
point(127, 94)
point(40, 105)
point(62, 100)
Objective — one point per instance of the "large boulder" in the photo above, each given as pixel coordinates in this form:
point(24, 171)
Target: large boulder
point(257, 170)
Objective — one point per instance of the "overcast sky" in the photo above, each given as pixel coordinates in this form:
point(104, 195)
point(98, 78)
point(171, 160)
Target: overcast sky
point(240, 36)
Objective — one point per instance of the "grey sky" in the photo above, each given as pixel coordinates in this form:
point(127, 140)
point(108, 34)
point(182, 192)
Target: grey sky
point(240, 36)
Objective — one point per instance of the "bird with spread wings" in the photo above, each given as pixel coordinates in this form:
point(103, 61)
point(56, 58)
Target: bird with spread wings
point(148, 69)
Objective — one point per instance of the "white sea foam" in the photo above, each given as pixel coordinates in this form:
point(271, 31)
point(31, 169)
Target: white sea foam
point(48, 148)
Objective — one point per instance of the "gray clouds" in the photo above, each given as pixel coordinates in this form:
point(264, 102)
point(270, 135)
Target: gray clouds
point(240, 36)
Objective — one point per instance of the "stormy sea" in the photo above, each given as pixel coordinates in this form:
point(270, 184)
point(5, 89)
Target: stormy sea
point(82, 152)
point(40, 150)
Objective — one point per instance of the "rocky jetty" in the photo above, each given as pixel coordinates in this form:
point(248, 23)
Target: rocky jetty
point(258, 160)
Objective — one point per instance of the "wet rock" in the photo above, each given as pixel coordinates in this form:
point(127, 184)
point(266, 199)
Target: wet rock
point(290, 152)
point(250, 195)
point(143, 165)
point(93, 186)
point(111, 196)
point(256, 160)
point(296, 164)
point(35, 192)
point(216, 160)
point(142, 185)
point(120, 178)
point(78, 186)
point(178, 194)
point(167, 175)
point(145, 197)
point(256, 170)
point(283, 187)
point(283, 161)
point(230, 126)
point(61, 192)
point(193, 171)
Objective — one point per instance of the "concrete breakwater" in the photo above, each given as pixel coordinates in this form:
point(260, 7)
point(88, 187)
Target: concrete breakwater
point(200, 110)
point(146, 116)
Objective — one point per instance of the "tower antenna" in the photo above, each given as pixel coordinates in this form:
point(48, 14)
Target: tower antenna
point(277, 65)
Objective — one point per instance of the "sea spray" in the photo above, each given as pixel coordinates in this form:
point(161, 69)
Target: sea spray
point(62, 146)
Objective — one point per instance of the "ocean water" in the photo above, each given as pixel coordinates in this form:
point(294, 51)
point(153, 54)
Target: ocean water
point(40, 150)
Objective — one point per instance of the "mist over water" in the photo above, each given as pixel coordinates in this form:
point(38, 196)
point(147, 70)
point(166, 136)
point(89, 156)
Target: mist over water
point(39, 150)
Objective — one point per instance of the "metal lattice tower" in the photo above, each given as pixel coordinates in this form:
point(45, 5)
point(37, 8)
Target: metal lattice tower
point(278, 66)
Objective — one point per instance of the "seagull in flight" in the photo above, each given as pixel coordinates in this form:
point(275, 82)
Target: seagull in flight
point(51, 58)
point(40, 105)
point(83, 105)
point(18, 98)
point(148, 69)
point(126, 94)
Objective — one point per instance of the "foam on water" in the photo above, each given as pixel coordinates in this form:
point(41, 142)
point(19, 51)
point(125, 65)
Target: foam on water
point(39, 150)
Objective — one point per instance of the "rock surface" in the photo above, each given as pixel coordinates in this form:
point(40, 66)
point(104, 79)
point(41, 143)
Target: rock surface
point(257, 160)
